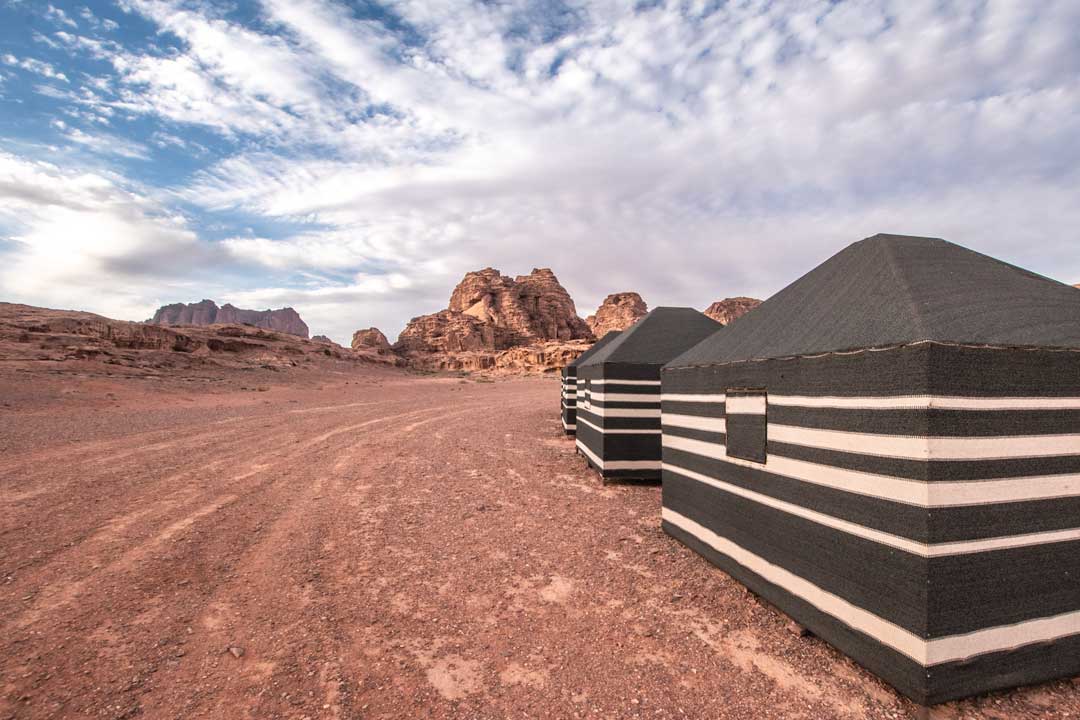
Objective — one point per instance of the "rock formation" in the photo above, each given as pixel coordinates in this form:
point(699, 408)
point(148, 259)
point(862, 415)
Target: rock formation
point(729, 310)
point(207, 312)
point(532, 307)
point(30, 333)
point(370, 339)
point(618, 312)
point(322, 339)
point(544, 357)
point(452, 332)
point(490, 313)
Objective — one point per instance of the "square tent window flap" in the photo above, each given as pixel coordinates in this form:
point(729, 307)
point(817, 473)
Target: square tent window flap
point(747, 433)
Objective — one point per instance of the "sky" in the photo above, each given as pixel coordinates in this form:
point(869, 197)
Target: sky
point(354, 158)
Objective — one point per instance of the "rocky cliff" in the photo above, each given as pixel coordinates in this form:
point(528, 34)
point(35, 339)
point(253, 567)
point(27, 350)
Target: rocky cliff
point(490, 313)
point(207, 312)
point(531, 307)
point(618, 312)
point(729, 310)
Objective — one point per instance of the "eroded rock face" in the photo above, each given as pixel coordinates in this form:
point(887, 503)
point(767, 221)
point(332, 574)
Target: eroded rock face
point(533, 307)
point(618, 312)
point(370, 338)
point(545, 357)
point(449, 331)
point(490, 313)
point(207, 312)
point(200, 313)
point(729, 310)
point(322, 339)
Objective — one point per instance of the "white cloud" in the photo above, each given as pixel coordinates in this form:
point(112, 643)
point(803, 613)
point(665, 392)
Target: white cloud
point(80, 240)
point(59, 17)
point(692, 149)
point(35, 66)
point(108, 144)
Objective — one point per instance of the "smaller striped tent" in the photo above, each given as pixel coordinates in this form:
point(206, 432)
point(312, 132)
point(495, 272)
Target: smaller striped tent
point(568, 402)
point(618, 412)
point(888, 450)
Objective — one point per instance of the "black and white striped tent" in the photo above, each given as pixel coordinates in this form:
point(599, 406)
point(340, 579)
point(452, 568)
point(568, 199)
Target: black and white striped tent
point(618, 411)
point(568, 401)
point(889, 451)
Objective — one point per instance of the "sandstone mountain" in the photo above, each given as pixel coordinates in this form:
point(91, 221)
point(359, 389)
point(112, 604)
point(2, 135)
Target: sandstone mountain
point(490, 313)
point(530, 307)
point(729, 310)
point(618, 312)
point(30, 333)
point(207, 312)
point(370, 339)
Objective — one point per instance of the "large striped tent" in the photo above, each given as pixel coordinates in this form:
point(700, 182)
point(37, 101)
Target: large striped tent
point(618, 412)
point(568, 402)
point(889, 451)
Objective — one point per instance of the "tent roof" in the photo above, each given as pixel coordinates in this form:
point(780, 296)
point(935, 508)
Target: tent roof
point(896, 289)
point(656, 338)
point(596, 347)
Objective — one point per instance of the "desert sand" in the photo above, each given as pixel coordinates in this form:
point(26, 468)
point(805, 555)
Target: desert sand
point(363, 542)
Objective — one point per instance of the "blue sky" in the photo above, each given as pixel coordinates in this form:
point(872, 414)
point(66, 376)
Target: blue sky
point(354, 159)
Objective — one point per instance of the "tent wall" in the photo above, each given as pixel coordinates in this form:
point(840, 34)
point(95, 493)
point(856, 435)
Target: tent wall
point(569, 400)
point(917, 506)
point(619, 420)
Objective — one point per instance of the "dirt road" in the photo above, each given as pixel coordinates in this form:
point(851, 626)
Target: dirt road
point(370, 545)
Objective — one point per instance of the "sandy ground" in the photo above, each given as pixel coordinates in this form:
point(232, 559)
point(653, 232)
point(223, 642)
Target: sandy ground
point(363, 545)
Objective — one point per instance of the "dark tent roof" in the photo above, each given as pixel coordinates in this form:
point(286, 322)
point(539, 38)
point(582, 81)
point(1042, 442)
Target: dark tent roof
point(656, 338)
point(597, 347)
point(896, 289)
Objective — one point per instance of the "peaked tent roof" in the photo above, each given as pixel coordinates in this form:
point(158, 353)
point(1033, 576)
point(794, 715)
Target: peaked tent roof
point(596, 347)
point(657, 337)
point(897, 289)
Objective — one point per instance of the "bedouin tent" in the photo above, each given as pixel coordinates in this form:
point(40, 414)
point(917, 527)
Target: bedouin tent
point(888, 450)
point(569, 383)
point(618, 411)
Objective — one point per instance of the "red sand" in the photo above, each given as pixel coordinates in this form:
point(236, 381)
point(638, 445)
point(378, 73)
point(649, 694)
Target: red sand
point(369, 544)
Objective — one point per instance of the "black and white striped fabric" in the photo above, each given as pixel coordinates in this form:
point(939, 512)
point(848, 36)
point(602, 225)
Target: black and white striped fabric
point(568, 396)
point(917, 506)
point(568, 399)
point(619, 424)
point(618, 409)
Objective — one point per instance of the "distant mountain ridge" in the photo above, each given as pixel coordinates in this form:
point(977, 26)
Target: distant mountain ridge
point(207, 312)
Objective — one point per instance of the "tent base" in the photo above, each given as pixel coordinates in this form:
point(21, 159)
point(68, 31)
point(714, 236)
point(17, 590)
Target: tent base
point(636, 480)
point(630, 476)
point(926, 686)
